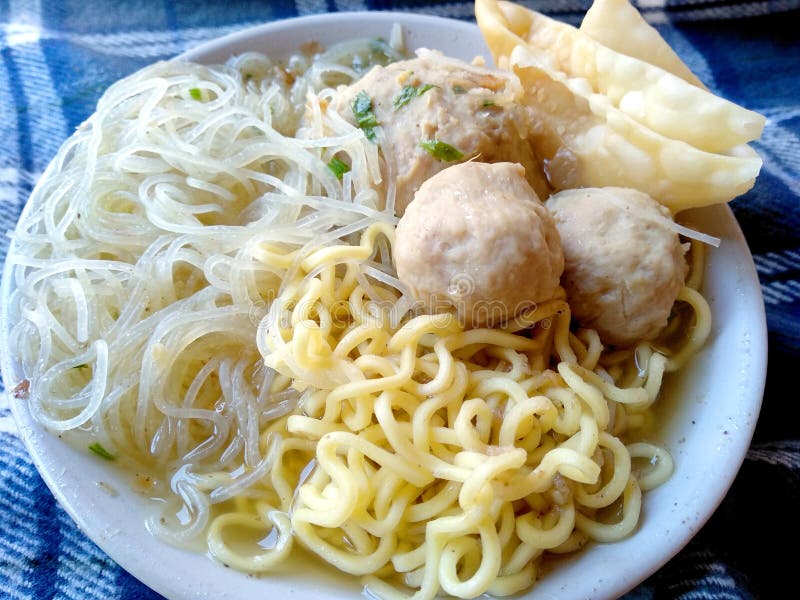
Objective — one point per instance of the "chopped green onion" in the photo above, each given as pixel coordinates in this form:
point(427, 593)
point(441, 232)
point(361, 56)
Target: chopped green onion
point(441, 151)
point(196, 93)
point(457, 89)
point(488, 103)
point(82, 366)
point(338, 167)
point(380, 46)
point(406, 94)
point(102, 452)
point(410, 91)
point(382, 52)
point(362, 110)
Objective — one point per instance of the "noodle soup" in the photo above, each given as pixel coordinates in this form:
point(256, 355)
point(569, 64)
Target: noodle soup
point(248, 284)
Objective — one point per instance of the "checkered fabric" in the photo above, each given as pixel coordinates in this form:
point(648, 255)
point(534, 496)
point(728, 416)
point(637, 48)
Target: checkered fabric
point(57, 57)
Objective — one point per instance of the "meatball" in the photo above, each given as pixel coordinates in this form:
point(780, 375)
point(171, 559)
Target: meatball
point(434, 111)
point(625, 263)
point(477, 239)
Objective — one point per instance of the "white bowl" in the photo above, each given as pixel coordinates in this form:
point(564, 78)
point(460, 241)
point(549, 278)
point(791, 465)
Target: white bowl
point(708, 413)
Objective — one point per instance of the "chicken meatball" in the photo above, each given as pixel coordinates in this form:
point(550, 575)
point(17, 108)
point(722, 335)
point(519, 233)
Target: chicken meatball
point(624, 262)
point(477, 239)
point(435, 111)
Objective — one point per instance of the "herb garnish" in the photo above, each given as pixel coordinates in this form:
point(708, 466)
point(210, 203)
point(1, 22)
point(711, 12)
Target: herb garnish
point(379, 46)
point(101, 452)
point(338, 167)
point(411, 91)
point(441, 151)
point(196, 93)
point(365, 118)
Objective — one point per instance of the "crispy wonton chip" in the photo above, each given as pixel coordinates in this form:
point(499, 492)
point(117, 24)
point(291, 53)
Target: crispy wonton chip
point(618, 25)
point(652, 96)
point(602, 146)
point(587, 141)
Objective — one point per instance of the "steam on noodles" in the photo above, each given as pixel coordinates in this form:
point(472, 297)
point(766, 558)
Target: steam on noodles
point(202, 295)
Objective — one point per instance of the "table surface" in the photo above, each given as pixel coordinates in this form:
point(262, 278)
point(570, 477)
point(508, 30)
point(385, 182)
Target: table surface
point(58, 58)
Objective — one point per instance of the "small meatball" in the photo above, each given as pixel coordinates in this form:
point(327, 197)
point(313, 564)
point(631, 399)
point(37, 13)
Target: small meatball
point(474, 110)
point(625, 263)
point(477, 239)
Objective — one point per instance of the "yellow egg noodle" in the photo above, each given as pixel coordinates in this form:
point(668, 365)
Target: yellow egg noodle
point(198, 292)
point(453, 458)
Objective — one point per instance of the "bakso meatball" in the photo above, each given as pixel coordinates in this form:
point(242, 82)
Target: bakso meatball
point(477, 239)
point(624, 262)
point(435, 111)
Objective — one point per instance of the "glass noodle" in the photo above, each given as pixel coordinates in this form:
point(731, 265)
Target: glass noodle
point(143, 262)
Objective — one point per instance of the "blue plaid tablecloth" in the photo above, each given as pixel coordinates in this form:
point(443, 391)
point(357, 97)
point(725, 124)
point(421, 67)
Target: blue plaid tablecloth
point(57, 59)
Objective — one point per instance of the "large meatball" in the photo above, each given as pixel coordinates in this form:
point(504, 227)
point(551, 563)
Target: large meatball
point(478, 239)
point(431, 104)
point(624, 261)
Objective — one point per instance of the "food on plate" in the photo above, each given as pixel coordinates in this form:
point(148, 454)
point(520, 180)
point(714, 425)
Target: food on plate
point(478, 239)
point(435, 111)
point(588, 141)
point(624, 261)
point(212, 290)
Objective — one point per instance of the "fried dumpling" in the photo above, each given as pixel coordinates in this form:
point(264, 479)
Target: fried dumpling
point(587, 141)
